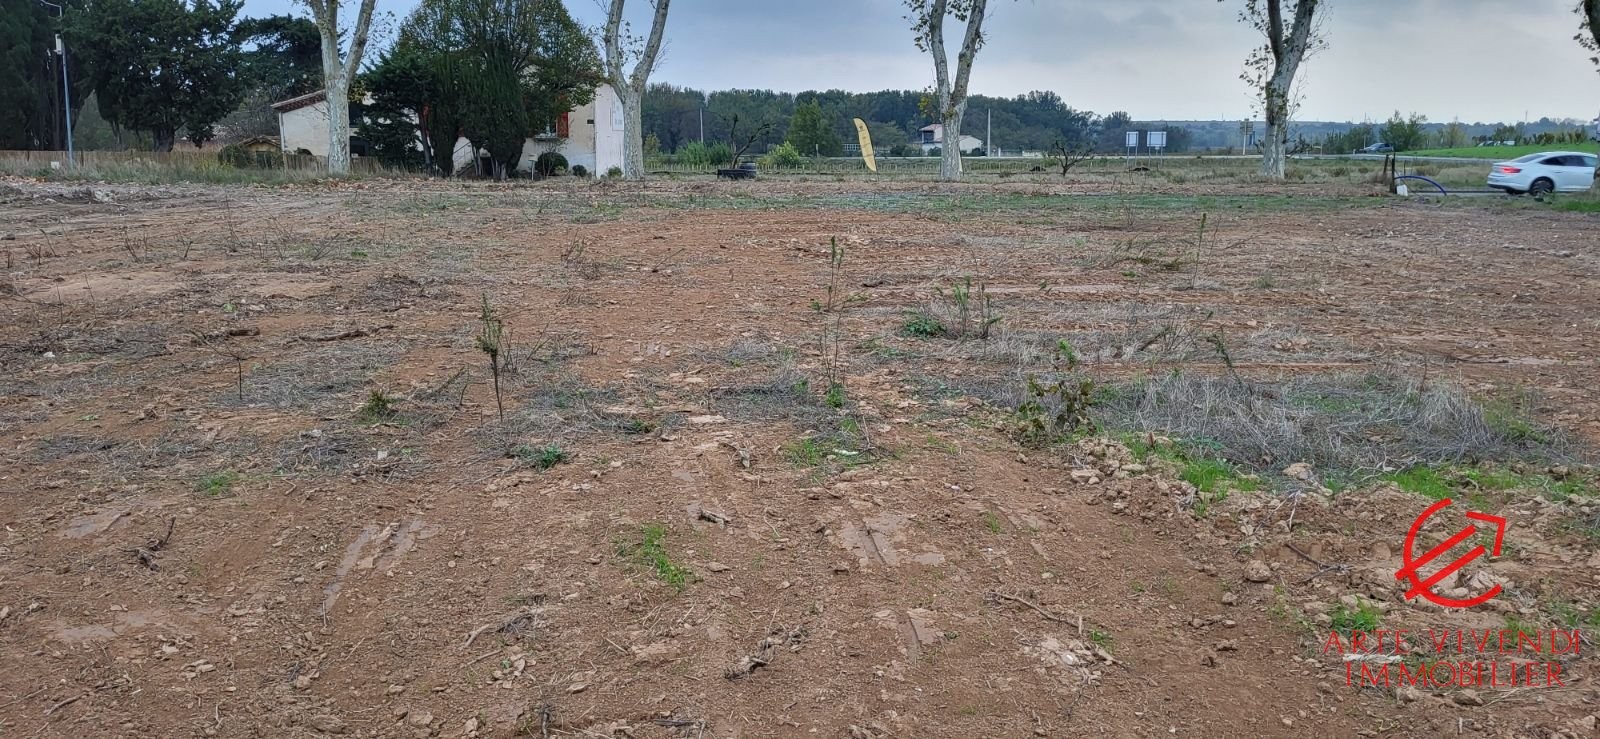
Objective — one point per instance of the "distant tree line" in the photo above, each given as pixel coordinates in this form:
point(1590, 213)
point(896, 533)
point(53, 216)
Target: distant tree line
point(1413, 133)
point(821, 122)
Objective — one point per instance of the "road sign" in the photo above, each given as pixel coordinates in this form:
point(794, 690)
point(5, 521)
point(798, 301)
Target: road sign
point(1156, 139)
point(1132, 138)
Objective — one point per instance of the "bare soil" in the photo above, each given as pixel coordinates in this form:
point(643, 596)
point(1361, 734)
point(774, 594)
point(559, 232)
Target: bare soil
point(210, 529)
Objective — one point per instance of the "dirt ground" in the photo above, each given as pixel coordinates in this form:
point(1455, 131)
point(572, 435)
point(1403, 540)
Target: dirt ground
point(256, 481)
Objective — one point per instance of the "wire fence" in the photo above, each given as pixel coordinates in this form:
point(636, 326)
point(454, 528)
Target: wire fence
point(21, 161)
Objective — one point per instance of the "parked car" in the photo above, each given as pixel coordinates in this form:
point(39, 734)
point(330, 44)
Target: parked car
point(1378, 148)
point(1545, 172)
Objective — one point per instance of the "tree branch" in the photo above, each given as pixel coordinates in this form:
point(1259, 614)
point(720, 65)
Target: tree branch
point(941, 64)
point(358, 40)
point(1275, 29)
point(613, 43)
point(647, 60)
point(969, 51)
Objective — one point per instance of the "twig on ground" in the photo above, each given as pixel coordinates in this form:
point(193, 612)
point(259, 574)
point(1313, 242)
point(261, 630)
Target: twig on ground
point(63, 704)
point(147, 553)
point(23, 698)
point(1322, 568)
point(510, 622)
point(354, 333)
point(1036, 607)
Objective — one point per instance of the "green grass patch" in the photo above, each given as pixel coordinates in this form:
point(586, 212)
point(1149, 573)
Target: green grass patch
point(805, 452)
point(217, 484)
point(922, 325)
point(1212, 475)
point(1213, 478)
point(1499, 153)
point(1582, 204)
point(379, 408)
point(540, 457)
point(651, 553)
point(1437, 482)
point(835, 396)
point(1421, 480)
point(1364, 617)
point(991, 522)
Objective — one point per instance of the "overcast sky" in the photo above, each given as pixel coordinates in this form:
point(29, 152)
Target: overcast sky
point(1477, 60)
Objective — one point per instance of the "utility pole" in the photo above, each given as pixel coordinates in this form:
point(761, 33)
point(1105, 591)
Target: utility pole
point(702, 124)
point(66, 89)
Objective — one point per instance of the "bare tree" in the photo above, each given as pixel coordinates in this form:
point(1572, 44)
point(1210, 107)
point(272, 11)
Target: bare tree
point(629, 86)
point(1589, 31)
point(1067, 155)
point(338, 71)
point(743, 145)
point(927, 23)
point(1272, 67)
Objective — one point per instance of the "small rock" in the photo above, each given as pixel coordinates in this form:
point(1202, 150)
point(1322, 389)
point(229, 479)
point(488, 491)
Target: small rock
point(1257, 571)
point(577, 688)
point(395, 689)
point(302, 682)
point(419, 718)
point(1298, 471)
point(1468, 698)
point(717, 567)
point(1229, 645)
point(328, 724)
point(471, 727)
point(654, 655)
point(1229, 598)
point(1408, 694)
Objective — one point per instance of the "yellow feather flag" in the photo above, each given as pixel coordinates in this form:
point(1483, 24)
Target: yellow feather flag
point(866, 145)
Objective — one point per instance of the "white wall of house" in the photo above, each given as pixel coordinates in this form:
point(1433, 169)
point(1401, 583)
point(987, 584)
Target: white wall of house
point(933, 137)
point(594, 138)
point(594, 135)
point(608, 120)
point(305, 128)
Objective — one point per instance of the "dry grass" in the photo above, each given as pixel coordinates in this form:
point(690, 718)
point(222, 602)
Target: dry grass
point(1351, 422)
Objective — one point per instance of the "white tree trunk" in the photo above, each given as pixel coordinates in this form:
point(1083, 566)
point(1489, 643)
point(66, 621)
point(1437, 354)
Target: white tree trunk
point(338, 129)
point(1275, 145)
point(1285, 50)
point(950, 151)
point(629, 86)
point(632, 133)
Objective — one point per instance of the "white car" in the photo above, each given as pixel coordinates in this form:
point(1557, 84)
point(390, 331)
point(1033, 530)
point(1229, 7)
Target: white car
point(1545, 172)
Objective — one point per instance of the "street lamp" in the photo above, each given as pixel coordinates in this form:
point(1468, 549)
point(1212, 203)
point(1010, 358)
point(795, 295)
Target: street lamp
point(66, 90)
